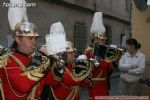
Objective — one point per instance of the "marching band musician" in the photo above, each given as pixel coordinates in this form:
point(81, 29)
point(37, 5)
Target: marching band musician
point(23, 76)
point(102, 57)
point(102, 68)
point(73, 75)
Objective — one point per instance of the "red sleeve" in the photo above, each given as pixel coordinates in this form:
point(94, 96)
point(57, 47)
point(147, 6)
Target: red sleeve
point(52, 78)
point(69, 79)
point(104, 64)
point(18, 82)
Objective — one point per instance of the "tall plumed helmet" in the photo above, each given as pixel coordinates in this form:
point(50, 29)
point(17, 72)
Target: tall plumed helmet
point(18, 20)
point(97, 28)
point(56, 40)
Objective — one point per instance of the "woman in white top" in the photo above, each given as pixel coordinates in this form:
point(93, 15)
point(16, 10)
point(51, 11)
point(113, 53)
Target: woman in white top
point(131, 65)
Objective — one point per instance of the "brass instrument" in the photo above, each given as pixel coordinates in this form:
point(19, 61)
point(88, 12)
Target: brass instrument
point(59, 59)
point(94, 61)
point(113, 54)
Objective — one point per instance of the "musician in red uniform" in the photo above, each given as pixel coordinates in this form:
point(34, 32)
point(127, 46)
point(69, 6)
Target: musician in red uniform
point(100, 74)
point(74, 76)
point(101, 67)
point(24, 76)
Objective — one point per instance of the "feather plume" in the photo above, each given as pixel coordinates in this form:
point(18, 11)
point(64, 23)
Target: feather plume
point(97, 24)
point(17, 13)
point(56, 40)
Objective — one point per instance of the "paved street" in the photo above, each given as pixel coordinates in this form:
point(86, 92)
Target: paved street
point(114, 86)
point(113, 91)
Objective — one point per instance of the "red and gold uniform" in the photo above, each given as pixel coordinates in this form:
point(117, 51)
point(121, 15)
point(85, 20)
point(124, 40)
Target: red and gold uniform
point(100, 82)
point(17, 85)
point(101, 73)
point(101, 53)
point(69, 89)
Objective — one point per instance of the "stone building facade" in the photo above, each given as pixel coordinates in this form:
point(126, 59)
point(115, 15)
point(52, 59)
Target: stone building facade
point(76, 16)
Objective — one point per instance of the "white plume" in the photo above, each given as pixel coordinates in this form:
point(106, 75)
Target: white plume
point(16, 13)
point(97, 24)
point(56, 40)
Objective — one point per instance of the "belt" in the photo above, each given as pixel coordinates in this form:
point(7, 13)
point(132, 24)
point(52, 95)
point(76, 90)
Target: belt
point(99, 79)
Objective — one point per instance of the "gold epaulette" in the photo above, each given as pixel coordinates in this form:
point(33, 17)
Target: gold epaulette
point(4, 59)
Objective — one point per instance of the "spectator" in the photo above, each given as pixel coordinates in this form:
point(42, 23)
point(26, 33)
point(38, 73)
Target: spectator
point(131, 65)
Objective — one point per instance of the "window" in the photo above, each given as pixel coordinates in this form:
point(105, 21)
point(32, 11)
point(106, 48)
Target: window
point(80, 36)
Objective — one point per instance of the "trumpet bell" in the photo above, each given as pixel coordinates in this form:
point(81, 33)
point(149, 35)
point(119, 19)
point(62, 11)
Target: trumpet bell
point(113, 54)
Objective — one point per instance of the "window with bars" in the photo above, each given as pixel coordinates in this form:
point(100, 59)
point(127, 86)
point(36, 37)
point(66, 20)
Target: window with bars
point(80, 36)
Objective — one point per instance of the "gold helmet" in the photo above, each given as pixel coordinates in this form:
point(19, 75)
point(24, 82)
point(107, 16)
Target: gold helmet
point(26, 29)
point(18, 20)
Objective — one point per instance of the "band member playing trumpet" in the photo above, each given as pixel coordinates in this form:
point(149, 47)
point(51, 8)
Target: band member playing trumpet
point(24, 74)
point(102, 56)
point(75, 70)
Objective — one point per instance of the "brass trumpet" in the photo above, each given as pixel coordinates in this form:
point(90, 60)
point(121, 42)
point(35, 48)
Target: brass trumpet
point(114, 54)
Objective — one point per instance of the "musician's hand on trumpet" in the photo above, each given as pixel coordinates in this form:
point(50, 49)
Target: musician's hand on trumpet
point(58, 60)
point(94, 61)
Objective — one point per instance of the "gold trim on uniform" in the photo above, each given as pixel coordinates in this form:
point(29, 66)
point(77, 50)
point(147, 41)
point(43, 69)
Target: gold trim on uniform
point(99, 79)
point(37, 73)
point(32, 93)
point(98, 76)
point(19, 62)
point(1, 90)
point(71, 95)
point(3, 60)
point(81, 76)
point(31, 77)
point(22, 67)
point(55, 98)
point(57, 78)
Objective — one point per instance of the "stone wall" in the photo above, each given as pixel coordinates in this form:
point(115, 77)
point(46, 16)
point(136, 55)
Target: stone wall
point(47, 12)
